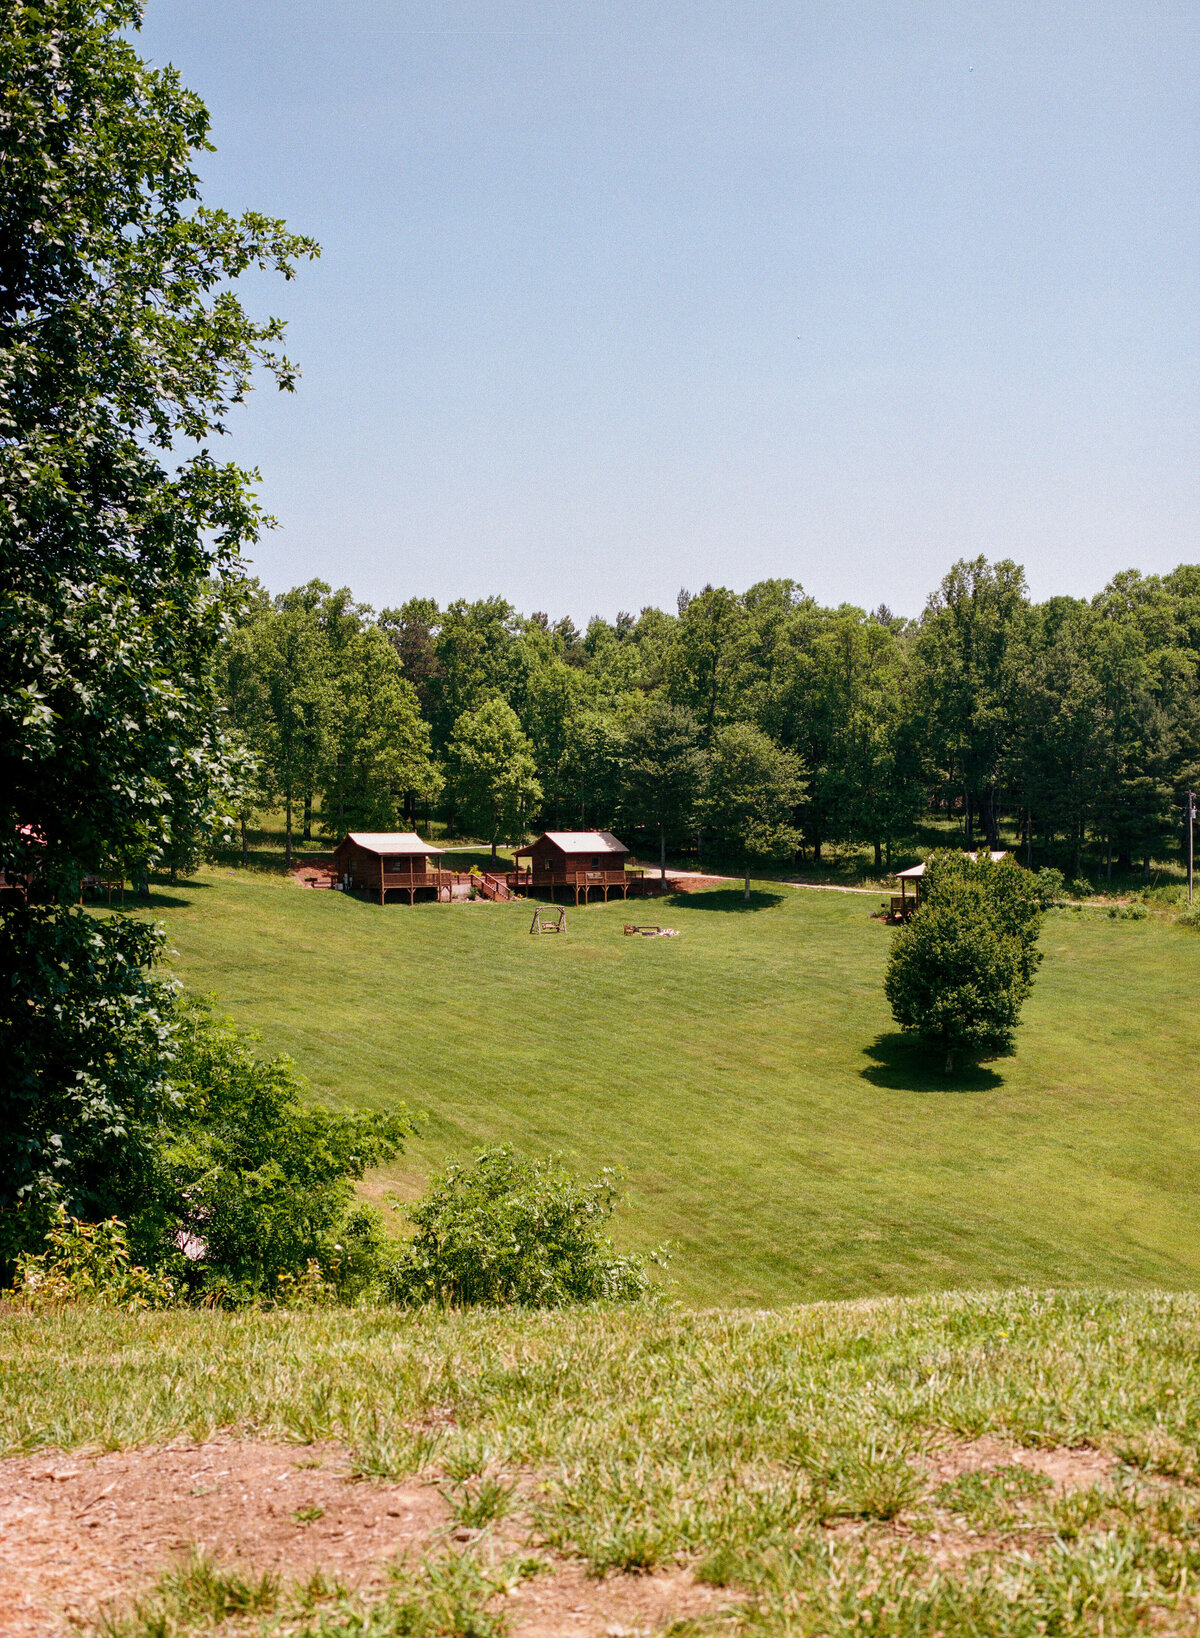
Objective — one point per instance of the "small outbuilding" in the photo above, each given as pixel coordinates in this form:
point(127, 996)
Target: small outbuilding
point(578, 860)
point(904, 907)
point(391, 861)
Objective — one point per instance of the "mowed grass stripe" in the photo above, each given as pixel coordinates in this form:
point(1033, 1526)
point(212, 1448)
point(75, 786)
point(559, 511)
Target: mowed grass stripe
point(747, 1077)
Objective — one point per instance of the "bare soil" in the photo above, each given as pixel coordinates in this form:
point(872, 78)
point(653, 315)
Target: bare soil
point(79, 1533)
point(1067, 1467)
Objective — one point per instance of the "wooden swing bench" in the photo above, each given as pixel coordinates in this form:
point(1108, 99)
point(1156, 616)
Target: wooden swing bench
point(549, 924)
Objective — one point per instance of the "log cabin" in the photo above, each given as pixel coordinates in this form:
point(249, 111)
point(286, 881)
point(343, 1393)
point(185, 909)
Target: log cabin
point(391, 861)
point(581, 861)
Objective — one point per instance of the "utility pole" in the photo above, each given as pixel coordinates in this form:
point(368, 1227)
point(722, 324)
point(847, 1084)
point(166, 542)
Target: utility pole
point(1191, 821)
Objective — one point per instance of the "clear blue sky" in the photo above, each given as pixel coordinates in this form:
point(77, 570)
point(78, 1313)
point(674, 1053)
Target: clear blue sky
point(630, 295)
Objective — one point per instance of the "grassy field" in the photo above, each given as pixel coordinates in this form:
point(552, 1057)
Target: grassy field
point(1016, 1465)
point(747, 1077)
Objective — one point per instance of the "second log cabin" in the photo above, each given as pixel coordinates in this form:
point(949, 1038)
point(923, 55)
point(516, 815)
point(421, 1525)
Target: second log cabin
point(581, 861)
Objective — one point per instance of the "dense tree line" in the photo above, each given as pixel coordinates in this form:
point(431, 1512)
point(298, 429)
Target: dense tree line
point(749, 724)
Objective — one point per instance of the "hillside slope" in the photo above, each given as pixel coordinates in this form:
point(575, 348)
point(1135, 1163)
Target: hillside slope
point(748, 1078)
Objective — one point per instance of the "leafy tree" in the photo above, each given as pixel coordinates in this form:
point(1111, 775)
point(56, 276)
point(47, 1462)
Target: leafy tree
point(960, 971)
point(969, 648)
point(491, 772)
point(296, 685)
point(86, 1041)
point(412, 630)
point(121, 338)
point(591, 767)
point(474, 661)
point(751, 795)
point(662, 771)
point(704, 653)
point(511, 1230)
point(379, 759)
point(339, 621)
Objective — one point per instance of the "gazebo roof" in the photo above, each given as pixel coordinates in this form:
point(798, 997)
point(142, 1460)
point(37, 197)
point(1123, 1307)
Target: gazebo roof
point(914, 872)
point(391, 842)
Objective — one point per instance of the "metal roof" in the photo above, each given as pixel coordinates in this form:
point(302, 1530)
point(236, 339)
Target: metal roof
point(580, 841)
point(919, 870)
point(392, 841)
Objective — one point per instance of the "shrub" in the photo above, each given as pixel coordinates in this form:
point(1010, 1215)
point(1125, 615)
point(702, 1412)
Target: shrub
point(88, 1261)
point(1049, 886)
point(511, 1230)
point(958, 973)
point(259, 1183)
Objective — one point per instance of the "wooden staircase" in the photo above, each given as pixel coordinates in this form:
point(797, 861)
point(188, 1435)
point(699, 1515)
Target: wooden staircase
point(494, 888)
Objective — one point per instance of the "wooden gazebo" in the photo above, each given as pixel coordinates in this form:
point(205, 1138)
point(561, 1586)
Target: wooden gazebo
point(905, 907)
point(390, 861)
point(579, 860)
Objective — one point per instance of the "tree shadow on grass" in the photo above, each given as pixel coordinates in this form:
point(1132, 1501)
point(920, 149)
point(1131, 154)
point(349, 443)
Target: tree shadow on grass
point(903, 1065)
point(725, 898)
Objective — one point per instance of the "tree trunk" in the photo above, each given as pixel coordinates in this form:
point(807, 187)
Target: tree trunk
point(245, 845)
point(287, 849)
point(878, 855)
point(968, 819)
point(143, 883)
point(662, 852)
point(816, 850)
point(950, 1061)
point(308, 816)
point(746, 895)
point(1108, 859)
point(1029, 838)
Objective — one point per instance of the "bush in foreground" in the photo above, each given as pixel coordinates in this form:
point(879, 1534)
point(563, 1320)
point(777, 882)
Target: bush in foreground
point(509, 1230)
point(959, 973)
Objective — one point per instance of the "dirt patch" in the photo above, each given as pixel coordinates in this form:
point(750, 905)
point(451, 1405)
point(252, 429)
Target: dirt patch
point(311, 873)
point(1067, 1467)
point(569, 1602)
point(81, 1532)
point(78, 1532)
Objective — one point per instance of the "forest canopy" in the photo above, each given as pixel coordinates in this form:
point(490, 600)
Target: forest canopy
point(1074, 723)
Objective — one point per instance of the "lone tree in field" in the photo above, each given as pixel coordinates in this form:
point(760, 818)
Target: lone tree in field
point(958, 974)
point(492, 772)
point(752, 792)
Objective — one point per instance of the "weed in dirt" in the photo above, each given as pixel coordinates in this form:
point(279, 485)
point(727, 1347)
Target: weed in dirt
point(723, 1567)
point(855, 1481)
point(196, 1595)
point(466, 1460)
point(481, 1502)
point(308, 1515)
point(987, 1498)
point(395, 1452)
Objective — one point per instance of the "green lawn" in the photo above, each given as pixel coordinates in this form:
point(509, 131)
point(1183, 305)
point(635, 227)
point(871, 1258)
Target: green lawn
point(747, 1077)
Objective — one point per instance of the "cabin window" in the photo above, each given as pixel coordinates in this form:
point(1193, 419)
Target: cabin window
point(595, 864)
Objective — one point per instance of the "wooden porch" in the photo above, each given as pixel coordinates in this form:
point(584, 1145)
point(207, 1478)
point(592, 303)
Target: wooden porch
point(579, 882)
point(392, 880)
